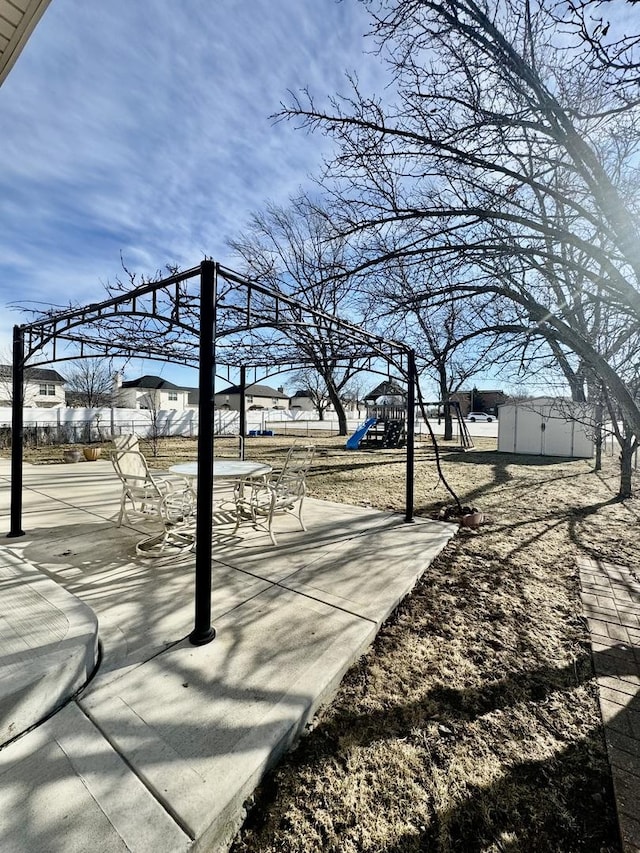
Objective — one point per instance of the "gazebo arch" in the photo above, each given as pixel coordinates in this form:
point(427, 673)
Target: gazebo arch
point(202, 317)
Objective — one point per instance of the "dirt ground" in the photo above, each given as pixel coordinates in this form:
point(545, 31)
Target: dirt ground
point(472, 723)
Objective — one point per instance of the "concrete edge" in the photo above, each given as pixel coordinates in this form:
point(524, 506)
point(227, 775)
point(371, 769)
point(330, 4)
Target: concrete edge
point(57, 667)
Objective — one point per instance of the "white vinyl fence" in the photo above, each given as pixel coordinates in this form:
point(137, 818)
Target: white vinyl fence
point(82, 426)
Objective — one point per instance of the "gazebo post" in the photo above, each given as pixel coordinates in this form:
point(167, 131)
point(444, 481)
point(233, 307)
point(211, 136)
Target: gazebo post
point(17, 431)
point(243, 409)
point(203, 632)
point(411, 416)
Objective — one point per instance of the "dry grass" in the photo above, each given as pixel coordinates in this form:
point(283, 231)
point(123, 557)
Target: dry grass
point(472, 723)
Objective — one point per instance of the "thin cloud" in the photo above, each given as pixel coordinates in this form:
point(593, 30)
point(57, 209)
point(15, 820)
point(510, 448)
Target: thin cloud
point(143, 128)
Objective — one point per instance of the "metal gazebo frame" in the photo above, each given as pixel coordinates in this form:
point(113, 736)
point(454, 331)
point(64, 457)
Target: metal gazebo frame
point(163, 320)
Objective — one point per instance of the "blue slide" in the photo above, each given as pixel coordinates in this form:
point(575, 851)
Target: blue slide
point(354, 442)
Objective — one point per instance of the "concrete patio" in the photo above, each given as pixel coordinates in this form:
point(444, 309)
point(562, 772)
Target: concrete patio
point(159, 751)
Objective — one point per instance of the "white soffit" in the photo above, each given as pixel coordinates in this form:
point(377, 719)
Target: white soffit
point(17, 21)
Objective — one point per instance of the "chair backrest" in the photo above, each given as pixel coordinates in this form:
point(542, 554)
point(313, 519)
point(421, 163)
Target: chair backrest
point(294, 471)
point(127, 441)
point(131, 466)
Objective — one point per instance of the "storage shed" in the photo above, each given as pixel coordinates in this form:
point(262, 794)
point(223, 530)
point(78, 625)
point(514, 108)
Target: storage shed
point(546, 427)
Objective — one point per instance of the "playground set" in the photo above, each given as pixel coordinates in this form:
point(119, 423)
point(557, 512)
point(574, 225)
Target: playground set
point(385, 424)
point(378, 433)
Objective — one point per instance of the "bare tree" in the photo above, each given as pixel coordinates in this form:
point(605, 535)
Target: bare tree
point(447, 335)
point(150, 405)
point(354, 391)
point(296, 251)
point(90, 382)
point(313, 385)
point(506, 155)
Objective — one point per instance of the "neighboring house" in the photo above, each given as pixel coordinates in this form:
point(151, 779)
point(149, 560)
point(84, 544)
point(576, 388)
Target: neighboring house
point(479, 400)
point(151, 393)
point(256, 397)
point(43, 387)
point(303, 402)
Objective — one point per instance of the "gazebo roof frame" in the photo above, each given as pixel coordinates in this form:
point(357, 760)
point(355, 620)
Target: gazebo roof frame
point(168, 302)
point(169, 319)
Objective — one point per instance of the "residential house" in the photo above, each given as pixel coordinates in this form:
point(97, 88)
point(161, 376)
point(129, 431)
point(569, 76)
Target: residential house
point(256, 397)
point(479, 400)
point(150, 392)
point(43, 387)
point(18, 22)
point(303, 402)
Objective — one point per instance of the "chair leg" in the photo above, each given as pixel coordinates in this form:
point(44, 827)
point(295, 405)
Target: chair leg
point(123, 511)
point(302, 524)
point(272, 510)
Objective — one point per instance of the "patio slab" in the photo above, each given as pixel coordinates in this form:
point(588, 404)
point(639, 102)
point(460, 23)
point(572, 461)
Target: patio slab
point(64, 789)
point(189, 731)
point(202, 725)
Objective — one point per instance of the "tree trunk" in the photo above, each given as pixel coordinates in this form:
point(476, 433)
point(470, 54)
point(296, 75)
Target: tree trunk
point(627, 447)
point(444, 397)
point(338, 406)
point(599, 438)
point(448, 423)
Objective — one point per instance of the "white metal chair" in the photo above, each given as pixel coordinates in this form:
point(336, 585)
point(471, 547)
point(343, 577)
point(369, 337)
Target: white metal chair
point(131, 441)
point(177, 511)
point(146, 496)
point(257, 501)
point(142, 491)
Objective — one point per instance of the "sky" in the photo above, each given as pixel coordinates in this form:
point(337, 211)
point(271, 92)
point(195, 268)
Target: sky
point(142, 129)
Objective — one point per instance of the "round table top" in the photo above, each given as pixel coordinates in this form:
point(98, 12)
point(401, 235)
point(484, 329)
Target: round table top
point(229, 468)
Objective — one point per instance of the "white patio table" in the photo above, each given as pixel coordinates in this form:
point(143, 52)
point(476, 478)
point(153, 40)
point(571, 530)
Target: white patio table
point(225, 469)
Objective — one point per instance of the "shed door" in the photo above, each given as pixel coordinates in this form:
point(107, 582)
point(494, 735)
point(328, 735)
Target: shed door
point(529, 431)
point(558, 437)
point(507, 429)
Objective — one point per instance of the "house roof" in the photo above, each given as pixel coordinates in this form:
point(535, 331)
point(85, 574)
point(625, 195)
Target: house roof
point(18, 19)
point(36, 374)
point(255, 390)
point(156, 382)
